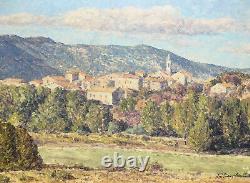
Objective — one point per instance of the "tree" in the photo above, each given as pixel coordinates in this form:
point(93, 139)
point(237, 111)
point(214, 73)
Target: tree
point(190, 106)
point(28, 157)
point(151, 118)
point(98, 118)
point(117, 127)
point(167, 111)
point(77, 109)
point(128, 104)
point(8, 153)
point(52, 115)
point(17, 149)
point(179, 120)
point(234, 122)
point(200, 133)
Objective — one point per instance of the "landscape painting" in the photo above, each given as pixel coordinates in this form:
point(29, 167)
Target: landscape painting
point(124, 91)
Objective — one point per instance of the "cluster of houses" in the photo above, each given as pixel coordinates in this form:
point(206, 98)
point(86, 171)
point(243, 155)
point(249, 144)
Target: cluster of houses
point(111, 88)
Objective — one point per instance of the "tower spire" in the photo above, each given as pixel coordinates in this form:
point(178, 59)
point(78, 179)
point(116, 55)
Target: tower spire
point(168, 65)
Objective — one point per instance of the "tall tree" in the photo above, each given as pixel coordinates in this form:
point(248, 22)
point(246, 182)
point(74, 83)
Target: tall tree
point(151, 117)
point(200, 134)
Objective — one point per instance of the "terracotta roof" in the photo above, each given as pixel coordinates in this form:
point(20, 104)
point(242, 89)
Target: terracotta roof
point(155, 79)
point(130, 76)
point(17, 80)
point(61, 81)
point(161, 74)
point(13, 81)
point(185, 73)
point(38, 82)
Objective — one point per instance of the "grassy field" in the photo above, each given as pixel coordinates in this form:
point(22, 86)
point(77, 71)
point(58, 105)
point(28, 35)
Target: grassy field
point(80, 160)
point(171, 161)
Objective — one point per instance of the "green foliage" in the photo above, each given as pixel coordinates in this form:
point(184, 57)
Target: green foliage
point(179, 119)
point(17, 150)
point(4, 179)
point(61, 175)
point(52, 115)
point(234, 121)
point(200, 133)
point(8, 148)
point(28, 157)
point(128, 104)
point(98, 118)
point(77, 109)
point(137, 130)
point(151, 117)
point(117, 127)
point(209, 123)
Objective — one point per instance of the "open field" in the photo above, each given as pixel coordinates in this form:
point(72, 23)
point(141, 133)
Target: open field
point(87, 151)
point(77, 158)
point(117, 140)
point(171, 161)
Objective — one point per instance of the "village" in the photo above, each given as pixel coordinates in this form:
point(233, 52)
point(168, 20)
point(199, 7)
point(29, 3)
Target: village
point(111, 88)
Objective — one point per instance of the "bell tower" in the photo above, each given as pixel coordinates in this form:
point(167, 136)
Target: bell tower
point(169, 65)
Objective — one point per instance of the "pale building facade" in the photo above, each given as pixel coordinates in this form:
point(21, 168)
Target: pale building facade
point(155, 84)
point(182, 77)
point(54, 82)
point(129, 81)
point(108, 96)
point(222, 88)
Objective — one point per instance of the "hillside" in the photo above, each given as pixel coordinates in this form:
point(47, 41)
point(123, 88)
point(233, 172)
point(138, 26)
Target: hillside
point(33, 58)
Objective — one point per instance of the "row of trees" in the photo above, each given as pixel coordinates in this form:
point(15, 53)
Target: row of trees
point(206, 123)
point(39, 109)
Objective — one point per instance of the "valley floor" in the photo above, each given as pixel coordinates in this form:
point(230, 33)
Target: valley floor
point(77, 158)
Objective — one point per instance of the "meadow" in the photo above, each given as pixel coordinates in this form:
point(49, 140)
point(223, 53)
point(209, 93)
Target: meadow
point(171, 161)
point(77, 158)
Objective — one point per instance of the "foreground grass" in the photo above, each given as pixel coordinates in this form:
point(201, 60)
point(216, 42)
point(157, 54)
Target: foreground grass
point(104, 176)
point(172, 161)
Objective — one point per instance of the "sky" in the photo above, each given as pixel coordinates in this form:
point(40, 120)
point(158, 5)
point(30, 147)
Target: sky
point(208, 31)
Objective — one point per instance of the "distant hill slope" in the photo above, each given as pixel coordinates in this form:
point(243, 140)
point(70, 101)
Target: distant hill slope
point(33, 58)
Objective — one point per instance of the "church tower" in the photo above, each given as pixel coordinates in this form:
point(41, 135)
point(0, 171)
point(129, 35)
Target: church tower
point(169, 65)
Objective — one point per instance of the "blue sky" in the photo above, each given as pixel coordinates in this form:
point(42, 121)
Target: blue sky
point(211, 31)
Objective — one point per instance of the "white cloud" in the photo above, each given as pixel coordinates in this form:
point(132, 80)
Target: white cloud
point(26, 19)
point(242, 49)
point(162, 20)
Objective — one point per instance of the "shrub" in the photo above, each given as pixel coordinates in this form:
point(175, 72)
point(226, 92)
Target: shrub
point(156, 167)
point(117, 127)
point(137, 130)
point(4, 179)
point(17, 150)
point(25, 178)
point(28, 152)
point(61, 175)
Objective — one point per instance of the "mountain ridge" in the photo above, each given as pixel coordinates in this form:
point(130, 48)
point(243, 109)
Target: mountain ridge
point(35, 57)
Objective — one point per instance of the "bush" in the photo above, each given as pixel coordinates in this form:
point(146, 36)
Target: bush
point(17, 151)
point(117, 127)
point(4, 179)
point(156, 167)
point(137, 130)
point(61, 175)
point(25, 178)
